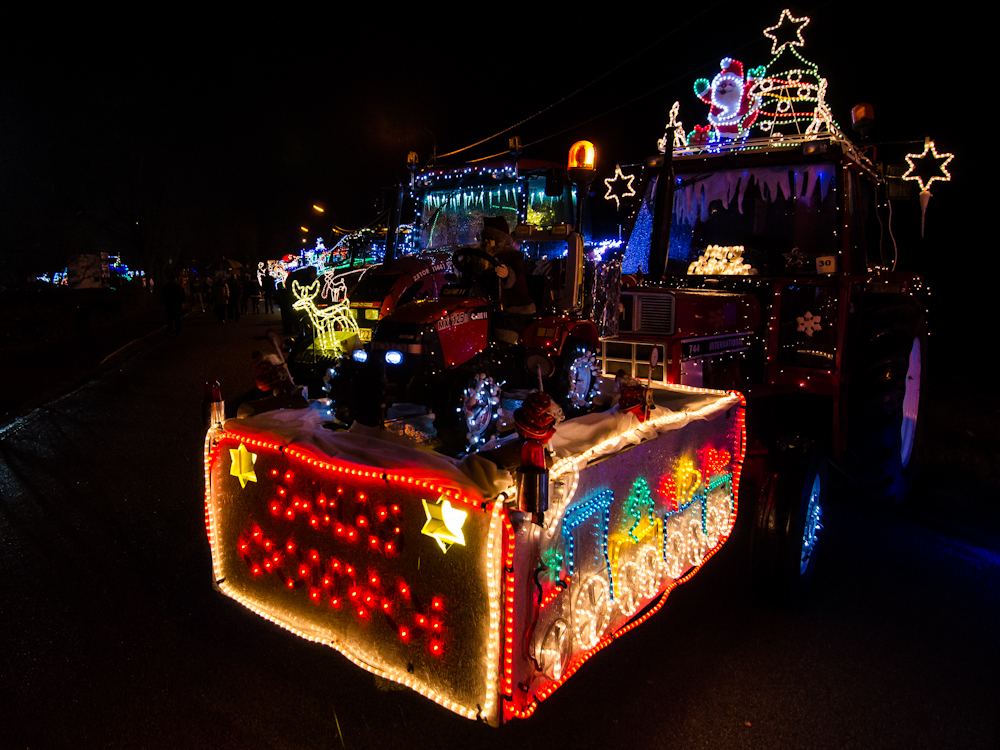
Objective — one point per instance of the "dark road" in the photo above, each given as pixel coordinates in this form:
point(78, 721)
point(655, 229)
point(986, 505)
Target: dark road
point(115, 638)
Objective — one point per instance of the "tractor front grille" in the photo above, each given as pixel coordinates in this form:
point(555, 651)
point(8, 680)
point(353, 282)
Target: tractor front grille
point(647, 313)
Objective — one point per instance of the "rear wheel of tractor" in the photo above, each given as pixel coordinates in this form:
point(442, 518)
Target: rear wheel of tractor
point(884, 421)
point(467, 416)
point(788, 521)
point(578, 374)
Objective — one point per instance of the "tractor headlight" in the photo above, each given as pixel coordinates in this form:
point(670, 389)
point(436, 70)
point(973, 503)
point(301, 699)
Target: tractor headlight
point(359, 355)
point(371, 313)
point(392, 357)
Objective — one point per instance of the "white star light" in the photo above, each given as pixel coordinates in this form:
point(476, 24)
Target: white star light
point(934, 160)
point(610, 182)
point(776, 48)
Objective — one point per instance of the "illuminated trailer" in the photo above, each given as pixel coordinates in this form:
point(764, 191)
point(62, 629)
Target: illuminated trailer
point(420, 569)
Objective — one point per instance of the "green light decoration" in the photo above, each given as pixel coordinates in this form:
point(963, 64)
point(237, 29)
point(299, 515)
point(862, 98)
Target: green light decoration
point(796, 96)
point(640, 503)
point(552, 559)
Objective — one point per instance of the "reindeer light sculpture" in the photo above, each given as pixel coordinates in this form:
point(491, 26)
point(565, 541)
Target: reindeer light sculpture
point(333, 324)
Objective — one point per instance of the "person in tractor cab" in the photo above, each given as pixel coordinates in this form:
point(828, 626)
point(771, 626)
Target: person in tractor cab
point(515, 300)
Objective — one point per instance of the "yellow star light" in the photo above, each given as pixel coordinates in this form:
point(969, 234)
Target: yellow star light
point(444, 523)
point(776, 48)
point(242, 465)
point(929, 163)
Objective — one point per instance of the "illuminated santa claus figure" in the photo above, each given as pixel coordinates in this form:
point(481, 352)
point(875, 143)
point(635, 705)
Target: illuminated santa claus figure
point(732, 98)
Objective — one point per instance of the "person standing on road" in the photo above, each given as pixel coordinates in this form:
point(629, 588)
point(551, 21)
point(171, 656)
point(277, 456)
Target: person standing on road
point(198, 293)
point(235, 295)
point(246, 293)
point(173, 300)
point(267, 286)
point(220, 299)
point(254, 286)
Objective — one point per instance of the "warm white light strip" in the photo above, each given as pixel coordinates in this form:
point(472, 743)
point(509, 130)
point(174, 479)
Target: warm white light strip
point(394, 675)
point(493, 569)
point(563, 465)
point(209, 506)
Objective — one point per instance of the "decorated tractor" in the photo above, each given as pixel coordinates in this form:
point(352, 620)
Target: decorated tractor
point(771, 339)
point(445, 356)
point(770, 268)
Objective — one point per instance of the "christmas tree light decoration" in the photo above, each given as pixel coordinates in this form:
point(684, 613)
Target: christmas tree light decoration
point(795, 25)
point(242, 465)
point(619, 186)
point(444, 523)
point(785, 103)
point(797, 96)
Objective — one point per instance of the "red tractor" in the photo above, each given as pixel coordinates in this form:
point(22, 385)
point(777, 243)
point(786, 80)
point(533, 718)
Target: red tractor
point(443, 355)
point(772, 268)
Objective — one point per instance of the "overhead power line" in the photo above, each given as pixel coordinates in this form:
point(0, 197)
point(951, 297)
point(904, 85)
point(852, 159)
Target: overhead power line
point(582, 88)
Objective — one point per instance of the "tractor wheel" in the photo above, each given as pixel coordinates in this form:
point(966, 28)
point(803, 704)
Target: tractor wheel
point(579, 378)
point(884, 420)
point(467, 416)
point(787, 524)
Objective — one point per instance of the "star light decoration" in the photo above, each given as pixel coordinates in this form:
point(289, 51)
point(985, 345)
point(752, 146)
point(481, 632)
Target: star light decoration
point(444, 523)
point(928, 166)
point(242, 465)
point(619, 186)
point(794, 24)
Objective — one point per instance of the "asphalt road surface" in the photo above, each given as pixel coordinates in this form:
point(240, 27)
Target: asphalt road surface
point(114, 637)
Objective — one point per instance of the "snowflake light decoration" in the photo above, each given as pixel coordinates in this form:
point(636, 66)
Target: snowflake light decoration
point(809, 323)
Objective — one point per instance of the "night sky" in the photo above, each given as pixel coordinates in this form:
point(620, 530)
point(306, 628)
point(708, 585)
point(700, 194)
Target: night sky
point(217, 133)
